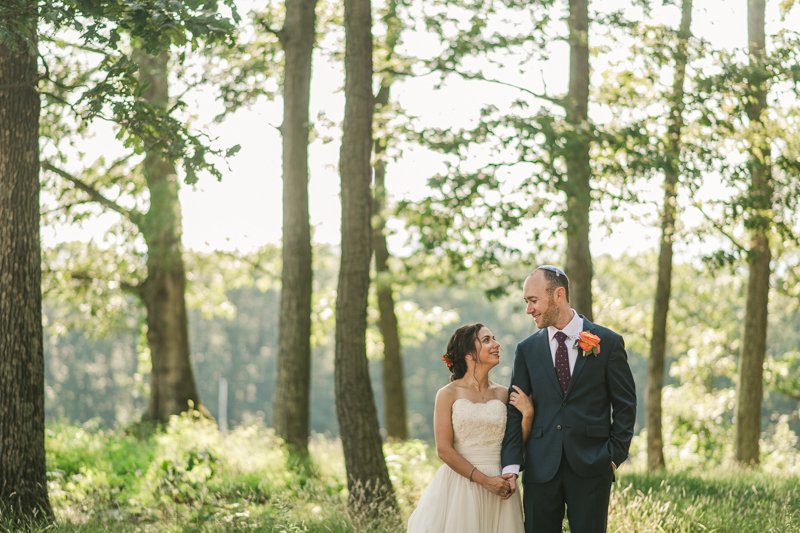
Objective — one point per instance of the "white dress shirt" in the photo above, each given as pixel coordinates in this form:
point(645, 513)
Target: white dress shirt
point(571, 330)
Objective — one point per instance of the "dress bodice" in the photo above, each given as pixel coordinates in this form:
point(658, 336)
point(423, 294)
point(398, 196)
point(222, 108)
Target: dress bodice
point(478, 426)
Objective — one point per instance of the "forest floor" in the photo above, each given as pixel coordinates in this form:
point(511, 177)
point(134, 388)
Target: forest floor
point(189, 478)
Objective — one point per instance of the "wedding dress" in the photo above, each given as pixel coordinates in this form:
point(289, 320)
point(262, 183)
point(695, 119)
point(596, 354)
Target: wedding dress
point(453, 504)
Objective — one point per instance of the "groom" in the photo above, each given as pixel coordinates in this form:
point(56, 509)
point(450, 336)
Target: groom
point(585, 407)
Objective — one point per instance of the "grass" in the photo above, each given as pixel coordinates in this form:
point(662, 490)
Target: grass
point(717, 499)
point(189, 478)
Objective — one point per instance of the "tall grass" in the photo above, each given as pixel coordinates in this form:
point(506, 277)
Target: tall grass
point(187, 477)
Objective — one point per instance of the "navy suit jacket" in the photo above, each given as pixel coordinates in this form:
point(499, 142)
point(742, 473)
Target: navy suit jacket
point(579, 421)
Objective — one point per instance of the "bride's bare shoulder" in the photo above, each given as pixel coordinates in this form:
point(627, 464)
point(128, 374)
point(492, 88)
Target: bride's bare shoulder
point(500, 392)
point(447, 394)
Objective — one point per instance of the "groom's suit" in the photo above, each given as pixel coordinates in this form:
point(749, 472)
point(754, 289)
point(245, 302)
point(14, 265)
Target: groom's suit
point(574, 437)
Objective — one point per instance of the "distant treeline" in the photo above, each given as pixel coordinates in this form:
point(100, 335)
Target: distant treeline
point(105, 377)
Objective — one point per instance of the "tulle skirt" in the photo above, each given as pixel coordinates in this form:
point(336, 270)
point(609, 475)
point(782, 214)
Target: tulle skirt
point(453, 504)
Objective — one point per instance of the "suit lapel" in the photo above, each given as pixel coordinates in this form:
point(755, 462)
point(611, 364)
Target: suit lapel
point(581, 361)
point(546, 359)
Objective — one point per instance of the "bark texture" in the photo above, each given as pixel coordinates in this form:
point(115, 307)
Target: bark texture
point(172, 385)
point(293, 379)
point(367, 476)
point(23, 481)
point(393, 377)
point(658, 344)
point(578, 187)
point(754, 339)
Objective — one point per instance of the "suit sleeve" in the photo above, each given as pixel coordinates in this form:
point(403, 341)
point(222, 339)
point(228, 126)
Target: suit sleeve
point(622, 390)
point(512, 452)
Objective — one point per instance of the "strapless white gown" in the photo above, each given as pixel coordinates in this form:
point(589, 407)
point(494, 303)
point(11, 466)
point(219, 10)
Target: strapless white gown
point(453, 504)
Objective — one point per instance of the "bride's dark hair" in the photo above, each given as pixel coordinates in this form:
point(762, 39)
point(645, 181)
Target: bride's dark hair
point(460, 344)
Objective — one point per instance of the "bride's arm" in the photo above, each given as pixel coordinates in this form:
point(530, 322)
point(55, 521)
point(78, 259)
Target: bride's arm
point(524, 405)
point(443, 432)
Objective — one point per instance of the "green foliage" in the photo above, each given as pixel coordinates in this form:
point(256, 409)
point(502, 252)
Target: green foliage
point(637, 93)
point(414, 324)
point(501, 198)
point(187, 477)
point(704, 335)
point(91, 73)
point(233, 326)
point(729, 93)
point(250, 67)
point(89, 285)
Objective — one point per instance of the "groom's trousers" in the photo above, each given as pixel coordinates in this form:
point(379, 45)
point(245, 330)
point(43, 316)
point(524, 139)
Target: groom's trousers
point(585, 498)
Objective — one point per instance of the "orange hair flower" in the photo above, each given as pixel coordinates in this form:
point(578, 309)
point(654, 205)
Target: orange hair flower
point(447, 361)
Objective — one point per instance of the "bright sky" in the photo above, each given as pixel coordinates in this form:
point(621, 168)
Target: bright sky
point(243, 211)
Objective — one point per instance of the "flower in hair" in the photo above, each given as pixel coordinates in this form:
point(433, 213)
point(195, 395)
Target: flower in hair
point(447, 360)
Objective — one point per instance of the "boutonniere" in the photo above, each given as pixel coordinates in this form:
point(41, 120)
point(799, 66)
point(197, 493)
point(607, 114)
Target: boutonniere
point(589, 343)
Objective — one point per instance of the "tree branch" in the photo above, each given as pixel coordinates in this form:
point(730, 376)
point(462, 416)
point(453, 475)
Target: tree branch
point(85, 277)
point(65, 207)
point(468, 76)
point(131, 214)
point(401, 73)
point(277, 33)
point(720, 229)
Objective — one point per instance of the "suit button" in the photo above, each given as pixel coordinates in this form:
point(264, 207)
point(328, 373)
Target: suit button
point(559, 427)
point(564, 404)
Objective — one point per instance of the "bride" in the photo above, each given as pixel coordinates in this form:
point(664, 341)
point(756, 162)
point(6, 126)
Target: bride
point(468, 494)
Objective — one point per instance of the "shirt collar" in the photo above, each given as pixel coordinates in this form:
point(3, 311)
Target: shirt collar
point(572, 328)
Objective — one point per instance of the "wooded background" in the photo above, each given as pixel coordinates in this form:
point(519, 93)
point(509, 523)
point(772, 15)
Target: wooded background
point(650, 125)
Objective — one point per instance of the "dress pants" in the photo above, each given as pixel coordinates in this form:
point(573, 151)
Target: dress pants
point(586, 500)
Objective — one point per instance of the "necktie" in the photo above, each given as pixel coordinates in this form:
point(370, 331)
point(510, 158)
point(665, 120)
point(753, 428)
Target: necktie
point(562, 361)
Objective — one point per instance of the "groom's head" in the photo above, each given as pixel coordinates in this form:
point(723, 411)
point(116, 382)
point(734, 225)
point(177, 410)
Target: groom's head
point(546, 293)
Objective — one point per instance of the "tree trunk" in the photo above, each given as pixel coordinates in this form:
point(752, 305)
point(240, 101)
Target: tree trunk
point(578, 187)
point(393, 381)
point(658, 344)
point(367, 476)
point(172, 385)
point(754, 341)
point(23, 481)
point(293, 377)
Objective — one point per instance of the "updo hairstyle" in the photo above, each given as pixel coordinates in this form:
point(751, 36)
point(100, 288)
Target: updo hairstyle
point(460, 344)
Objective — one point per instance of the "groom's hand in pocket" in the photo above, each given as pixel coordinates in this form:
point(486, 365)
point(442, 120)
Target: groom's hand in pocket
point(512, 482)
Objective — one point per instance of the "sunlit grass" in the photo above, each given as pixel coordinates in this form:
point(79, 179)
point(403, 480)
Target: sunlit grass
point(189, 478)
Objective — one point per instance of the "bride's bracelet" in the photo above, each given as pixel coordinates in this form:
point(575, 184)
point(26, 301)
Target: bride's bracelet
point(470, 473)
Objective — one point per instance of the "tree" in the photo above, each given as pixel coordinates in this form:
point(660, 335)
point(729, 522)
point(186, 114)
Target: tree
point(163, 291)
point(393, 379)
point(754, 333)
point(551, 137)
point(579, 173)
point(367, 476)
point(162, 288)
point(760, 219)
point(130, 89)
point(292, 381)
point(23, 480)
point(658, 341)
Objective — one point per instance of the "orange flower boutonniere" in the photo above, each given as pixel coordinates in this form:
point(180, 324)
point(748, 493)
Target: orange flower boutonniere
point(589, 343)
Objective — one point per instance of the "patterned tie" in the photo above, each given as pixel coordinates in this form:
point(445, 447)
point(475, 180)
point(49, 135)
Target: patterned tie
point(562, 361)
